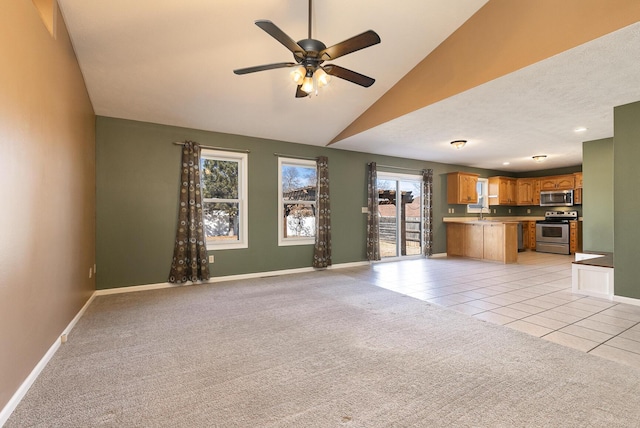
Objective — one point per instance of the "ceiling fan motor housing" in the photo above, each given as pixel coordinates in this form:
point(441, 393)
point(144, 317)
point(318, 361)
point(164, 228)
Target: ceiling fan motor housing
point(309, 58)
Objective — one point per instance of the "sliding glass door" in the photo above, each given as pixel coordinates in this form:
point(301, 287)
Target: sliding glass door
point(400, 212)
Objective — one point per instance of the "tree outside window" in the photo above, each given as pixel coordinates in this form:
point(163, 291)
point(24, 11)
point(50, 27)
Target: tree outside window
point(297, 207)
point(223, 179)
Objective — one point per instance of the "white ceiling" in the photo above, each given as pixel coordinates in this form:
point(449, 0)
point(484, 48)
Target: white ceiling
point(172, 62)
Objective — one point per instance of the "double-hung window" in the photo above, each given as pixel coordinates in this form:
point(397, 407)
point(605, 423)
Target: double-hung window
point(224, 198)
point(483, 198)
point(297, 185)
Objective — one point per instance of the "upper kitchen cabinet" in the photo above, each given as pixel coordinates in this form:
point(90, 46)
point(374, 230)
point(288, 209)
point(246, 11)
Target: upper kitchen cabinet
point(578, 180)
point(577, 190)
point(557, 182)
point(461, 188)
point(503, 191)
point(527, 191)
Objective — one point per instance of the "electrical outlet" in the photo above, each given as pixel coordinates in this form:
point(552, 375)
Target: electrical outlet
point(365, 210)
point(509, 210)
point(63, 338)
point(494, 210)
point(211, 259)
point(528, 210)
point(90, 273)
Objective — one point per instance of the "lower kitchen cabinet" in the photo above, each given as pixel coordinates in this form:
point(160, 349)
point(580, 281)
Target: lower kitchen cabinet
point(473, 241)
point(529, 235)
point(575, 237)
point(487, 240)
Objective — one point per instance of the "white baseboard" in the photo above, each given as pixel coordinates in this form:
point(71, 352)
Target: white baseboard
point(627, 300)
point(438, 255)
point(135, 288)
point(6, 412)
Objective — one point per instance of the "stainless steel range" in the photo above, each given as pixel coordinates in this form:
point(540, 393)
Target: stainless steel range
point(552, 233)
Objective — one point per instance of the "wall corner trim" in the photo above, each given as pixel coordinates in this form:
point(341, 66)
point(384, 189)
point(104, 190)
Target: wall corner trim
point(13, 402)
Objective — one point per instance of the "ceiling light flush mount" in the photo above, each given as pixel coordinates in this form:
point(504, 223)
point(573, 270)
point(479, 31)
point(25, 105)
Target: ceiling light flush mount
point(309, 74)
point(580, 129)
point(539, 158)
point(458, 144)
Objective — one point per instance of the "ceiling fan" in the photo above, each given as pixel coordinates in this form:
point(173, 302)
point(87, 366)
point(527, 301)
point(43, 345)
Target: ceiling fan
point(310, 54)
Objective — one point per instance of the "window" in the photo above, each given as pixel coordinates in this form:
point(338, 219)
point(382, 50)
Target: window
point(224, 199)
point(297, 201)
point(483, 198)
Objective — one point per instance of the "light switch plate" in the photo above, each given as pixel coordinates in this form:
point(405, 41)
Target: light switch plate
point(365, 210)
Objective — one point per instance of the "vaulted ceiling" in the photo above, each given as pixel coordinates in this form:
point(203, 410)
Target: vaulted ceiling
point(513, 78)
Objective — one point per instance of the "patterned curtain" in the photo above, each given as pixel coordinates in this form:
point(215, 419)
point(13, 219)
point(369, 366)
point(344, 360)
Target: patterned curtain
point(190, 251)
point(373, 222)
point(322, 248)
point(427, 191)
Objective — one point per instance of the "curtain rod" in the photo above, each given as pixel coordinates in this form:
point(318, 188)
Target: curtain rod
point(178, 143)
point(280, 155)
point(398, 167)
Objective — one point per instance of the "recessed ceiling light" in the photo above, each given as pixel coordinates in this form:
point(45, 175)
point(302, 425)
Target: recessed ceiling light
point(506, 163)
point(580, 129)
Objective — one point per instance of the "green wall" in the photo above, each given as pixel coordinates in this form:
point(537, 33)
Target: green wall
point(137, 193)
point(597, 227)
point(626, 155)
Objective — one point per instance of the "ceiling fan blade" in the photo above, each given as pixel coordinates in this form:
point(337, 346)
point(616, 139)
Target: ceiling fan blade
point(264, 67)
point(346, 74)
point(282, 37)
point(300, 93)
point(361, 41)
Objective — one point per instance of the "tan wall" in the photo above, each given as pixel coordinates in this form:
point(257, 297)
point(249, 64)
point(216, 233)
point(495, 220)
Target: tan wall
point(47, 190)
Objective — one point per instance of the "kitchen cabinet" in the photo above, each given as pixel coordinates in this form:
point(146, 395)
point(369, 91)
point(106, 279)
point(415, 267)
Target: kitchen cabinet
point(473, 241)
point(526, 191)
point(577, 190)
point(529, 235)
point(493, 248)
point(575, 237)
point(577, 176)
point(503, 191)
point(488, 240)
point(557, 182)
point(461, 188)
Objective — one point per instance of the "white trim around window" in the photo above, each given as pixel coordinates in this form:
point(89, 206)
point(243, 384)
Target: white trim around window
point(282, 201)
point(239, 237)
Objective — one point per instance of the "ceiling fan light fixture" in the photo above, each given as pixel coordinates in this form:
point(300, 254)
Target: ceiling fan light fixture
point(322, 77)
point(297, 75)
point(539, 158)
point(307, 83)
point(458, 144)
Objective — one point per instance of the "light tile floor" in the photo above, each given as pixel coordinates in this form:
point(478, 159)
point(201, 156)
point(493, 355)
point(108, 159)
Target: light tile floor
point(533, 296)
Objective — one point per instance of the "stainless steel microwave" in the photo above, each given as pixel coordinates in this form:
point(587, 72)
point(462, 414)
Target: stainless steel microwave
point(556, 198)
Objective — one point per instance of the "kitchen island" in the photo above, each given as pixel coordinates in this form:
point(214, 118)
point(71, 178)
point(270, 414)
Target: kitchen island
point(495, 240)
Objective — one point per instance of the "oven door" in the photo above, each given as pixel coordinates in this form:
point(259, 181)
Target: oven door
point(553, 233)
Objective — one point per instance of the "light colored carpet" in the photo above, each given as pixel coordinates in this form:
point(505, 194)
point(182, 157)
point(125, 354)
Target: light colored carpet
point(315, 350)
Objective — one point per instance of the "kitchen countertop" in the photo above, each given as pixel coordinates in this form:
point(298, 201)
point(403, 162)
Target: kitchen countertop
point(504, 219)
point(604, 259)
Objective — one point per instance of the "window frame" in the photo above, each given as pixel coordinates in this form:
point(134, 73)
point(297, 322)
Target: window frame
point(293, 240)
point(242, 200)
point(484, 209)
